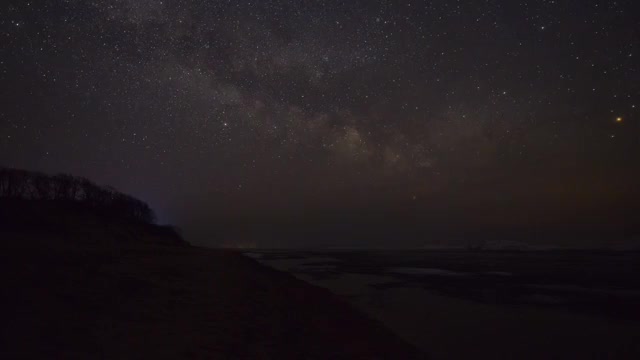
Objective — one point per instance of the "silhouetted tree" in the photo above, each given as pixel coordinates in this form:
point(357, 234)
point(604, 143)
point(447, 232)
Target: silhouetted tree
point(65, 187)
point(13, 183)
point(41, 188)
point(20, 184)
point(4, 182)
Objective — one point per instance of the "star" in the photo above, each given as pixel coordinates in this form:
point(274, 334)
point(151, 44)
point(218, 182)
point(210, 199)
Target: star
point(394, 103)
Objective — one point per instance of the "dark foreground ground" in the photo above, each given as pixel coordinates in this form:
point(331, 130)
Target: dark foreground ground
point(488, 305)
point(99, 295)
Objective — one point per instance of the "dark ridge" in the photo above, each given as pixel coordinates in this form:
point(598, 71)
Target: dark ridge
point(80, 281)
point(87, 294)
point(69, 193)
point(66, 205)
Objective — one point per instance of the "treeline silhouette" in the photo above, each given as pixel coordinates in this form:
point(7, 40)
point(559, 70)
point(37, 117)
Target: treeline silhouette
point(16, 184)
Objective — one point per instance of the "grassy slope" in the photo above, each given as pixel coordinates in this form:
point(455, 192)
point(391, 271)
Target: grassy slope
point(96, 292)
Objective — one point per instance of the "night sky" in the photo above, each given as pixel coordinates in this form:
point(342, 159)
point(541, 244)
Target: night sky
point(337, 123)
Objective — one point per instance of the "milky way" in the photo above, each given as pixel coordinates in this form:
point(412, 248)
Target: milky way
point(448, 112)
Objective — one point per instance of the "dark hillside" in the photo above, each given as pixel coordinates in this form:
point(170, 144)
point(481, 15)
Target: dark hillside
point(77, 223)
point(77, 285)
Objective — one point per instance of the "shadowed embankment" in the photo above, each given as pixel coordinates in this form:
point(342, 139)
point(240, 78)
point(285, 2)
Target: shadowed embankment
point(86, 287)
